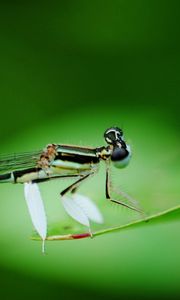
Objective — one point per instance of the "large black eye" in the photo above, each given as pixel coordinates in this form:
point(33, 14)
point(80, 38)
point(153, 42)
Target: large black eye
point(119, 154)
point(113, 134)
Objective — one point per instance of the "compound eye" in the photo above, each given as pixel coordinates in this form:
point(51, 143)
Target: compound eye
point(119, 154)
point(120, 157)
point(113, 134)
point(110, 137)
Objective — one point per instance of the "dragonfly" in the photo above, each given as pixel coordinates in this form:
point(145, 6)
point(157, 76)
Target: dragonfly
point(58, 161)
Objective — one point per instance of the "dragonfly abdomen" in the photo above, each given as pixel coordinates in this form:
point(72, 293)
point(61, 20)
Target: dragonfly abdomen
point(8, 177)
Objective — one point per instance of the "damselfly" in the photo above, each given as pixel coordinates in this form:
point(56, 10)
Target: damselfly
point(59, 161)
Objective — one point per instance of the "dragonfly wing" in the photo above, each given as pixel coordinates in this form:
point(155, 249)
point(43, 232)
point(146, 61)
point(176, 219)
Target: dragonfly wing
point(75, 211)
point(82, 209)
point(89, 208)
point(36, 208)
point(19, 161)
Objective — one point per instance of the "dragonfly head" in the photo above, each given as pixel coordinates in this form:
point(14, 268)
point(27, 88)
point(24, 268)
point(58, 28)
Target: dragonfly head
point(121, 152)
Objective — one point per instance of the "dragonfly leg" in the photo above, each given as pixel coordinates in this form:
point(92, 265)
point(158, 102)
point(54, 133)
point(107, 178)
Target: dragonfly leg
point(108, 196)
point(72, 188)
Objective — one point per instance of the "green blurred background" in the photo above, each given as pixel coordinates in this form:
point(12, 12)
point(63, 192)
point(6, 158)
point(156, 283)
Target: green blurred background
point(69, 70)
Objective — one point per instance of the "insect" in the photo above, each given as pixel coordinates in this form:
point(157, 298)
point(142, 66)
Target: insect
point(59, 161)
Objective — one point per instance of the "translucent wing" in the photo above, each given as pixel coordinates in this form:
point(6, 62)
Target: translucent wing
point(75, 211)
point(82, 209)
point(89, 208)
point(36, 209)
point(13, 162)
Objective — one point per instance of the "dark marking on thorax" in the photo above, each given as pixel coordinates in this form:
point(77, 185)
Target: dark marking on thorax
point(20, 173)
point(77, 158)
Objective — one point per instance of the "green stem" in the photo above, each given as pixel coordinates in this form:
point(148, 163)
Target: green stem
point(169, 210)
point(108, 230)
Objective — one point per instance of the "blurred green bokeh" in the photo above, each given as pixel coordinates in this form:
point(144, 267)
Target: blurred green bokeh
point(69, 70)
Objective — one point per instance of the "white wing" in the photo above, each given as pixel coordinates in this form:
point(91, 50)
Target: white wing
point(75, 211)
point(89, 208)
point(82, 209)
point(36, 209)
